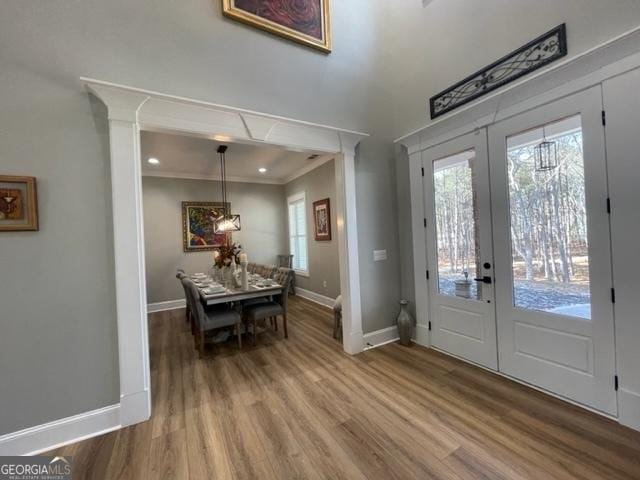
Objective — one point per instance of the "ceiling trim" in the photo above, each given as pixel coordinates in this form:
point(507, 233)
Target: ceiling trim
point(241, 179)
point(203, 176)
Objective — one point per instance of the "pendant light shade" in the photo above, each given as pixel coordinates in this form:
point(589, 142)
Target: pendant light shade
point(227, 222)
point(546, 154)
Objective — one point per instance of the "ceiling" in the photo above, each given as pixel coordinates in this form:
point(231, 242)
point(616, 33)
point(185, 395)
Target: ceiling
point(183, 156)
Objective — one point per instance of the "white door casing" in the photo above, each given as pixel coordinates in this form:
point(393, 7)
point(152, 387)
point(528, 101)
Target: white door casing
point(131, 110)
point(622, 106)
point(571, 357)
point(464, 327)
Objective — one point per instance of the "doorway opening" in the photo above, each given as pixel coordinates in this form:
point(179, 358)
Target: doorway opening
point(132, 110)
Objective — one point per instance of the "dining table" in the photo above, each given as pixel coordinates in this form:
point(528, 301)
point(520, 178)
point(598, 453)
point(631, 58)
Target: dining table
point(257, 289)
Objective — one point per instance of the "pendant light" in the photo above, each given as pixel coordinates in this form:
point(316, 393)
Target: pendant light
point(226, 222)
point(546, 154)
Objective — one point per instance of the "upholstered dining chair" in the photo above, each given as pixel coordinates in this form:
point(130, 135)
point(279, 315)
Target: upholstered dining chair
point(212, 318)
point(180, 275)
point(186, 284)
point(291, 276)
point(285, 261)
point(270, 309)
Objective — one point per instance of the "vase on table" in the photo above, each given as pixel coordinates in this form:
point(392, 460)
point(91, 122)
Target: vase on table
point(405, 324)
point(227, 277)
point(244, 275)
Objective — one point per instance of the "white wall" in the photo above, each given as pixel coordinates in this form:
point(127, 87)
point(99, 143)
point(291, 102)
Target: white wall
point(263, 235)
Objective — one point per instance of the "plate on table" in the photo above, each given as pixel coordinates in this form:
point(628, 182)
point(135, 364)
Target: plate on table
point(213, 290)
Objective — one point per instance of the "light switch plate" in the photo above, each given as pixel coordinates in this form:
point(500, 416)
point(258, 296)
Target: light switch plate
point(379, 255)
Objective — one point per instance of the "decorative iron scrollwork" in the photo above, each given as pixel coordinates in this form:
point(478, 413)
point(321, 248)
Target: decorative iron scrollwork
point(536, 54)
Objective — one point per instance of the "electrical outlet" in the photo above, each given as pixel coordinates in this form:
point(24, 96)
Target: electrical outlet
point(324, 284)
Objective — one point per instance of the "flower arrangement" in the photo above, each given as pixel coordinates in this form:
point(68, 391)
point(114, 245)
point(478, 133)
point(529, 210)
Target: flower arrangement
point(227, 254)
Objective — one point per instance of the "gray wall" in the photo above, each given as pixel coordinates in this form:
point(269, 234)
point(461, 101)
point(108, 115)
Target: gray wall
point(319, 184)
point(58, 355)
point(263, 235)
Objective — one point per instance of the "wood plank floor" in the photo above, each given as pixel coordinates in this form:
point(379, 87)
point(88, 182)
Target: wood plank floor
point(301, 408)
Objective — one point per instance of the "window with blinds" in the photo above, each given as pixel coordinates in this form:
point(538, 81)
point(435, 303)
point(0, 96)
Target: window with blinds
point(298, 232)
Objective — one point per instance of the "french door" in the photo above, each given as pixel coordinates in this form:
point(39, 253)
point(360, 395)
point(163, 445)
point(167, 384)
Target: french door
point(459, 249)
point(518, 249)
point(553, 261)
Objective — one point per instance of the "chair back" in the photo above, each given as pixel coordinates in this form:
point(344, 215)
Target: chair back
point(193, 299)
point(284, 277)
point(285, 261)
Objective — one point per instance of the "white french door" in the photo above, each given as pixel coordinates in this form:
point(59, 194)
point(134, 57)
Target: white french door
point(552, 245)
point(459, 249)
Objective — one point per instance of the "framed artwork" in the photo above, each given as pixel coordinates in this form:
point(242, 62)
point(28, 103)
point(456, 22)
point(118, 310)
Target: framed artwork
point(198, 221)
point(322, 220)
point(18, 204)
point(303, 21)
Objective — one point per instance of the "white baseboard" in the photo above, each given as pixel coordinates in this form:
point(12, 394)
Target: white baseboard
point(629, 408)
point(42, 438)
point(315, 297)
point(164, 306)
point(381, 337)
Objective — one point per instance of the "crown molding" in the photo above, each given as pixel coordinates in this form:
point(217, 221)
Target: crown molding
point(202, 176)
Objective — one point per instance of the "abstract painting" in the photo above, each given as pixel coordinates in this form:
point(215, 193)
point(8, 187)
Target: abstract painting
point(18, 204)
point(322, 220)
point(198, 223)
point(304, 21)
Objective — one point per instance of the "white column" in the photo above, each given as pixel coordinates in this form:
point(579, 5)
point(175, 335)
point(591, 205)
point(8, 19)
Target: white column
point(353, 339)
point(131, 295)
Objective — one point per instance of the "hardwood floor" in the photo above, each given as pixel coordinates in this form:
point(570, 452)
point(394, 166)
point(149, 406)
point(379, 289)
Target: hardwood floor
point(301, 408)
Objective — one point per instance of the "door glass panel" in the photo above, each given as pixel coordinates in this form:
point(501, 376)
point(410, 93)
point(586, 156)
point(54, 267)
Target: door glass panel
point(549, 244)
point(456, 217)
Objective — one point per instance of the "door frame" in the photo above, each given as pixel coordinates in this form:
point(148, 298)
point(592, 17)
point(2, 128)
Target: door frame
point(592, 68)
point(131, 110)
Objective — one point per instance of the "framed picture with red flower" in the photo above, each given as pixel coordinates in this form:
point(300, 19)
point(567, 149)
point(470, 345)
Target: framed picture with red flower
point(304, 21)
point(322, 220)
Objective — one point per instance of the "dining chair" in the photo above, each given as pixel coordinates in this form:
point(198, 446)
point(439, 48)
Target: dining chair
point(291, 278)
point(212, 318)
point(180, 275)
point(186, 284)
point(270, 309)
point(285, 261)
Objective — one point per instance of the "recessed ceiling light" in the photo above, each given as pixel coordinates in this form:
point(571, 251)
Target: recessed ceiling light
point(153, 161)
point(262, 170)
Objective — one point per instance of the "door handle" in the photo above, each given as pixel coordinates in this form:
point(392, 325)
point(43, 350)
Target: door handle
point(485, 279)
